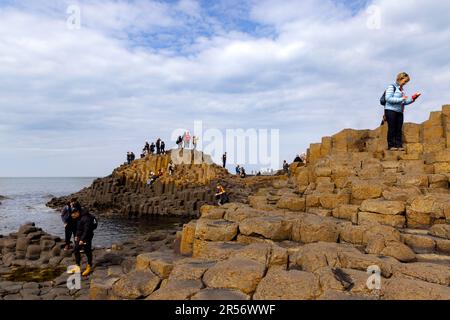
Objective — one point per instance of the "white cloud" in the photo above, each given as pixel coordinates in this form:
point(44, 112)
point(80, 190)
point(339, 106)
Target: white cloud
point(114, 83)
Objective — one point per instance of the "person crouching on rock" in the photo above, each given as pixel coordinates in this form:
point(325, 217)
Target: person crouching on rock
point(86, 224)
point(221, 195)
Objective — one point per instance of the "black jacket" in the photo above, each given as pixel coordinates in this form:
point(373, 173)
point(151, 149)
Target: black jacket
point(85, 230)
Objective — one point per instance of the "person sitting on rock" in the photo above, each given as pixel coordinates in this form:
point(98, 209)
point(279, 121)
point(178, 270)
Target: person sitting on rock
point(221, 195)
point(86, 224)
point(152, 148)
point(171, 168)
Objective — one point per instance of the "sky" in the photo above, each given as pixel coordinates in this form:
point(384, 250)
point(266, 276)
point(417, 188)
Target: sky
point(74, 100)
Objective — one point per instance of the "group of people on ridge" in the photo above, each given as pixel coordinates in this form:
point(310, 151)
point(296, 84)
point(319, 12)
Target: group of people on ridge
point(184, 141)
point(159, 147)
point(79, 224)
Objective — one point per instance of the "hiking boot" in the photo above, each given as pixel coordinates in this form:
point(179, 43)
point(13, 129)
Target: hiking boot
point(393, 149)
point(74, 269)
point(87, 271)
point(401, 149)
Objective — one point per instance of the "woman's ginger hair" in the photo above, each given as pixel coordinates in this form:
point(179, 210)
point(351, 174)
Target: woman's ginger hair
point(402, 76)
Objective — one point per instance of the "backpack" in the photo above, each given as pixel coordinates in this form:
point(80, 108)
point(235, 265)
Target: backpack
point(94, 222)
point(383, 97)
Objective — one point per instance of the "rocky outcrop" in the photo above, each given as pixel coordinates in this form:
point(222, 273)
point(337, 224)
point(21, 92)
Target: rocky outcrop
point(33, 266)
point(125, 192)
point(318, 232)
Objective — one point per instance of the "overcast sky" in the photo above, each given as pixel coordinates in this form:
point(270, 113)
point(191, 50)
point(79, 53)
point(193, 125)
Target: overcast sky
point(73, 102)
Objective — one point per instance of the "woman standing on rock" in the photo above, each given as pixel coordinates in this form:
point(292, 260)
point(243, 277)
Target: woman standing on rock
point(395, 102)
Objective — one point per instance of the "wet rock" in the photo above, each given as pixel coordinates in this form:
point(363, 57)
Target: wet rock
point(26, 229)
point(33, 252)
point(108, 259)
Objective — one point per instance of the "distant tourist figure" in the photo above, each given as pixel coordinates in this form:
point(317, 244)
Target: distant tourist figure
point(152, 148)
point(194, 142)
point(132, 156)
point(242, 172)
point(158, 146)
point(187, 139)
point(171, 168)
point(147, 147)
point(224, 160)
point(128, 158)
point(221, 195)
point(86, 224)
point(163, 147)
point(179, 142)
point(285, 167)
point(298, 159)
point(152, 178)
point(238, 170)
point(143, 155)
point(394, 100)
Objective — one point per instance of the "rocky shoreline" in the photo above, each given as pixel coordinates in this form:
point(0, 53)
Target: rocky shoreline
point(33, 265)
point(356, 222)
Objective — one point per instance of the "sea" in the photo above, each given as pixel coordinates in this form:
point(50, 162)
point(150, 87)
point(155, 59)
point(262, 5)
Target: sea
point(26, 199)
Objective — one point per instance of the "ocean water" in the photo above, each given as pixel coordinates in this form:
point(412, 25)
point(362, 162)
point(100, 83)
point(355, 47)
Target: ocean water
point(27, 199)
